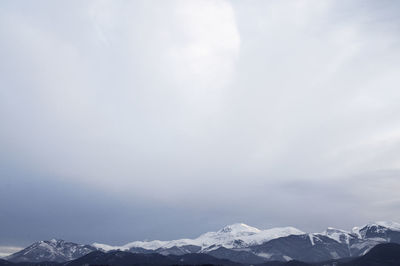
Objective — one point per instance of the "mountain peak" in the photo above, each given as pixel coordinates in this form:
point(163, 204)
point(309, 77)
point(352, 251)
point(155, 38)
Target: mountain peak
point(239, 228)
point(386, 224)
point(55, 241)
point(50, 250)
point(374, 228)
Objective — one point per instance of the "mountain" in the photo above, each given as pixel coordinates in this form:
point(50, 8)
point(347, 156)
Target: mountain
point(233, 236)
point(387, 254)
point(51, 250)
point(330, 244)
point(239, 243)
point(309, 248)
point(389, 231)
point(372, 234)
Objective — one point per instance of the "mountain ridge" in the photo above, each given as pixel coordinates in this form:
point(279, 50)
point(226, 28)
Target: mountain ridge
point(387, 254)
point(238, 241)
point(224, 237)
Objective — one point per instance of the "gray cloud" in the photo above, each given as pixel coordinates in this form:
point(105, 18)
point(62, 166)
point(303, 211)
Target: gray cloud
point(115, 114)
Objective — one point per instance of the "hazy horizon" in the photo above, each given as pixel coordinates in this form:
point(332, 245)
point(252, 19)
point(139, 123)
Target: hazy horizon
point(134, 120)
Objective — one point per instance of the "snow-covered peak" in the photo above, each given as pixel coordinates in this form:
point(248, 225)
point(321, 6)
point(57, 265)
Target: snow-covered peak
point(51, 250)
point(239, 228)
point(375, 228)
point(242, 235)
point(382, 224)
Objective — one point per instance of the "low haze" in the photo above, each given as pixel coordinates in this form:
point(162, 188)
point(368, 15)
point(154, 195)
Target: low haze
point(134, 120)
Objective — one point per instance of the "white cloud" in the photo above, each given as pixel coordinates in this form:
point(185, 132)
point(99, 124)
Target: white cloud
point(174, 100)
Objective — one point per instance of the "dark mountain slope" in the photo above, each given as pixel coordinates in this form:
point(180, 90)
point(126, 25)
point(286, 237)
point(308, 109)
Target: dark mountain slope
point(5, 262)
point(236, 255)
point(122, 258)
point(302, 248)
point(380, 255)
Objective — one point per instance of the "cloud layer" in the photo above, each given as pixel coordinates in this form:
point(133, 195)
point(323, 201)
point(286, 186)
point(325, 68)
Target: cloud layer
point(202, 113)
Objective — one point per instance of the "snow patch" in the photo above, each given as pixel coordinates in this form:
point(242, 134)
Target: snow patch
point(264, 255)
point(334, 255)
point(338, 235)
point(311, 237)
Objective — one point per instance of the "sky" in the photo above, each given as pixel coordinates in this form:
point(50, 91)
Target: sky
point(142, 120)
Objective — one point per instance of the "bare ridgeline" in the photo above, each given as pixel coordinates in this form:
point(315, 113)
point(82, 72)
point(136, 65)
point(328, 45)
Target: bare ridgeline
point(238, 244)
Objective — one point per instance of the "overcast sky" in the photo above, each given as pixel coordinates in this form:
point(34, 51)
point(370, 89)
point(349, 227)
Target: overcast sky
point(133, 120)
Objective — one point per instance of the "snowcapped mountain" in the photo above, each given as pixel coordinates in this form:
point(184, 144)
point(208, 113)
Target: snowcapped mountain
point(372, 234)
point(330, 244)
point(376, 230)
point(238, 242)
point(232, 236)
point(243, 242)
point(51, 250)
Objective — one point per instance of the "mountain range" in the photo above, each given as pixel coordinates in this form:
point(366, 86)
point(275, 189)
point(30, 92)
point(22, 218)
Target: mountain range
point(387, 254)
point(238, 243)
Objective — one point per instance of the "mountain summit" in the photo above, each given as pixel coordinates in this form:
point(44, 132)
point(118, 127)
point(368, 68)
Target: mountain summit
point(51, 250)
point(239, 228)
